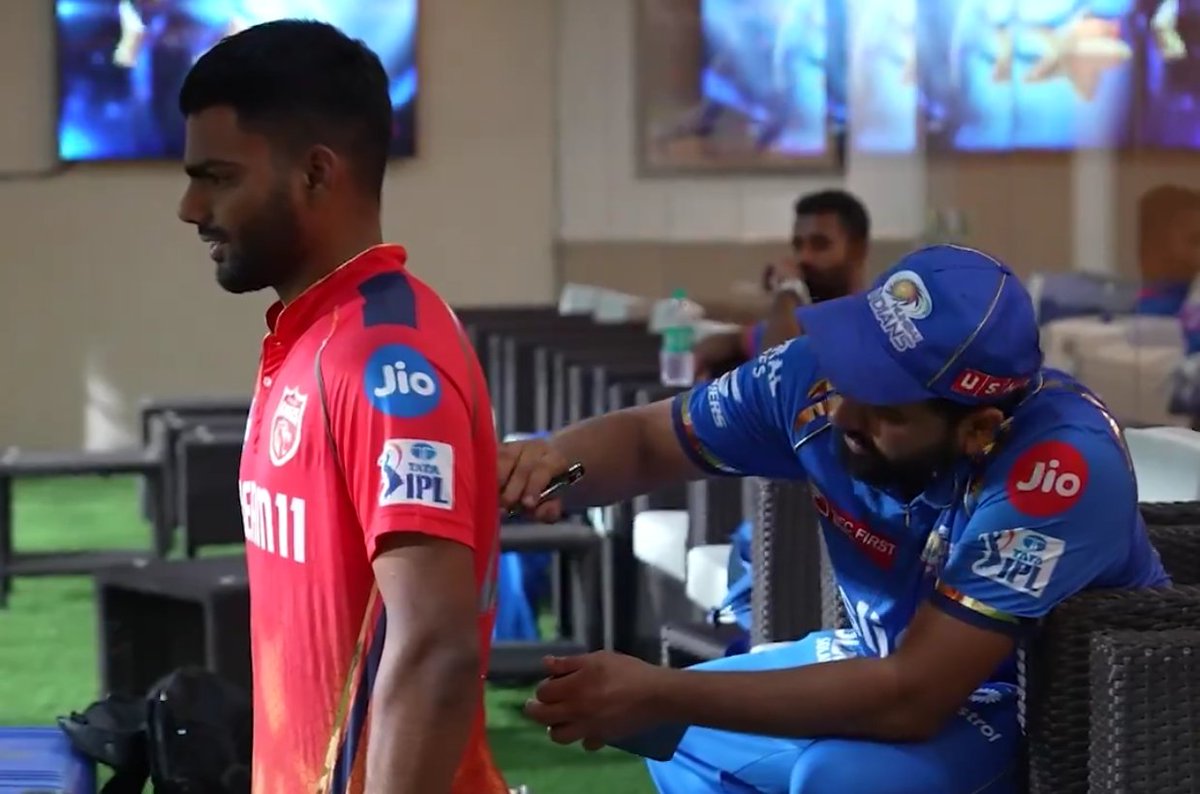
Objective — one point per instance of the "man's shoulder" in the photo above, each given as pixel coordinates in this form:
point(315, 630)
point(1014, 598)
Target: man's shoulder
point(1059, 451)
point(787, 371)
point(396, 316)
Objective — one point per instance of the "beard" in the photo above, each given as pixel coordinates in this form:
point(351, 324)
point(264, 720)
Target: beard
point(825, 284)
point(909, 476)
point(266, 250)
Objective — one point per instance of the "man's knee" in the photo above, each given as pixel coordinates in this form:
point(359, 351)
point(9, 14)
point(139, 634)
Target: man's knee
point(827, 765)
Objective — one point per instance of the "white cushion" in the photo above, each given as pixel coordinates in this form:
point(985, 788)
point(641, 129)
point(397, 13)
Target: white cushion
point(768, 646)
point(1064, 339)
point(1167, 463)
point(578, 299)
point(1134, 382)
point(660, 541)
point(708, 574)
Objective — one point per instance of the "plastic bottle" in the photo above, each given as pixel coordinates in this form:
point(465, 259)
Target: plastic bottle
point(676, 362)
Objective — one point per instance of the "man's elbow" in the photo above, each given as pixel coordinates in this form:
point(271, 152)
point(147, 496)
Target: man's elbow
point(443, 665)
point(918, 717)
point(910, 724)
point(913, 714)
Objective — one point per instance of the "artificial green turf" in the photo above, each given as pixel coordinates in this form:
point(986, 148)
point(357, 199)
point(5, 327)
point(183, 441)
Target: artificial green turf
point(48, 661)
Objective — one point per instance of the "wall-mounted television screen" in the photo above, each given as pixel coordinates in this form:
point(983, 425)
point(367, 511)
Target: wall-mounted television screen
point(764, 96)
point(1029, 74)
point(896, 76)
point(768, 64)
point(121, 64)
point(883, 116)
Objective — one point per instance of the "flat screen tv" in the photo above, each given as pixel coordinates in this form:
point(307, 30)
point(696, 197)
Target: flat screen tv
point(771, 87)
point(1030, 74)
point(121, 64)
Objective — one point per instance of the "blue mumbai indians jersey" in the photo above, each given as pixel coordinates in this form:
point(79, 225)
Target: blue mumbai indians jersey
point(1050, 511)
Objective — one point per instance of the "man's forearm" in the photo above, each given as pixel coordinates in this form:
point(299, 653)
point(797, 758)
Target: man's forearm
point(622, 457)
point(853, 697)
point(781, 324)
point(422, 712)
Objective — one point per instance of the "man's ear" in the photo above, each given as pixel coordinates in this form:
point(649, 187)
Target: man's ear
point(320, 169)
point(977, 430)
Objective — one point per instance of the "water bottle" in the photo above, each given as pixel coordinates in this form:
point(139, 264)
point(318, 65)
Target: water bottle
point(676, 362)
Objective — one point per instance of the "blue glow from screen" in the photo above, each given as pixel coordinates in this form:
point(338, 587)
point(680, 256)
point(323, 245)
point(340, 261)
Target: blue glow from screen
point(122, 62)
point(966, 75)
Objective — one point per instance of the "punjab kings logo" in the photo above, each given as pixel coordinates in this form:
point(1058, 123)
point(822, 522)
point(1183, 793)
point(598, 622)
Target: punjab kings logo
point(286, 425)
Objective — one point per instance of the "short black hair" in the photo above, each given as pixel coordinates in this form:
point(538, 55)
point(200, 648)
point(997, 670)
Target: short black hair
point(305, 83)
point(849, 211)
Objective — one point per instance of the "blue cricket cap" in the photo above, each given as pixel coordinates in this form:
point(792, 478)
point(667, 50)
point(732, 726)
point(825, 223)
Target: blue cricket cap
point(944, 322)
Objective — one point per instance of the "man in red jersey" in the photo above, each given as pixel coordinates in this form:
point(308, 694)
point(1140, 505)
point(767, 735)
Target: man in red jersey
point(369, 468)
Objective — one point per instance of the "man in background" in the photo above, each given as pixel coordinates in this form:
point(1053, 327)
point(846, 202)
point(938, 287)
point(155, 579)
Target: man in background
point(369, 467)
point(830, 238)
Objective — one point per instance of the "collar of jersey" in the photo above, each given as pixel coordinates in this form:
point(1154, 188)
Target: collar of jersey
point(292, 320)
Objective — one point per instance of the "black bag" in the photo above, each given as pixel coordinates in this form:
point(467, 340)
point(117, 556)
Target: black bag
point(191, 734)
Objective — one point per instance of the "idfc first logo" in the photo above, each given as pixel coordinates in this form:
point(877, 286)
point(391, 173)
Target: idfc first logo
point(401, 382)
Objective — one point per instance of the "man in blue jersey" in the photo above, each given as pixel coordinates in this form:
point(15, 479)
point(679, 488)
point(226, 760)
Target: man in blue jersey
point(964, 491)
point(831, 232)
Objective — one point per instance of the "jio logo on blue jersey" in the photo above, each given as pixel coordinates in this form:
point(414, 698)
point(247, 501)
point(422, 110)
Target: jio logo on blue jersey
point(401, 382)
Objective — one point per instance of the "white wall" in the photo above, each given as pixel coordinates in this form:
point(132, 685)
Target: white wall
point(602, 198)
point(103, 290)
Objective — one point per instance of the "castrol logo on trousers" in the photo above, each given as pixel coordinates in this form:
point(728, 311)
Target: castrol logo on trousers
point(879, 549)
point(1047, 479)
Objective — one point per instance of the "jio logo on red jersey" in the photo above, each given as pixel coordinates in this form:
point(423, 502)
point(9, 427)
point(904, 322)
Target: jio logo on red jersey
point(1047, 479)
point(401, 382)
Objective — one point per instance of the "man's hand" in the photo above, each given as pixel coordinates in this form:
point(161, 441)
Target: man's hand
point(781, 271)
point(595, 698)
point(524, 469)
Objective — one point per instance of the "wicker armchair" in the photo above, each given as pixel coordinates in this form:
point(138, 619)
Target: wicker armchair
point(1059, 707)
point(715, 508)
point(1169, 513)
point(793, 592)
point(1146, 712)
point(794, 595)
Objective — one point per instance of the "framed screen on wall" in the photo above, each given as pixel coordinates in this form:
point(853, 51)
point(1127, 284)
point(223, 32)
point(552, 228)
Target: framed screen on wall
point(737, 86)
point(1030, 74)
point(121, 64)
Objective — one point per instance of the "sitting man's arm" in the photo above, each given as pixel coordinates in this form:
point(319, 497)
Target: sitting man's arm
point(1022, 552)
point(736, 425)
point(410, 470)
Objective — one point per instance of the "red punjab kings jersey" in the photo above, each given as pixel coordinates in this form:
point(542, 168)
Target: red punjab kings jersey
point(370, 416)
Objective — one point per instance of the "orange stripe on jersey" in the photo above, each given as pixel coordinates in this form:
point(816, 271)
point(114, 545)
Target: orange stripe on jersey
point(477, 773)
point(350, 694)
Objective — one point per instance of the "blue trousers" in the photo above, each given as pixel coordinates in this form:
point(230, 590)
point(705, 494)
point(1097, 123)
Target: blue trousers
point(975, 754)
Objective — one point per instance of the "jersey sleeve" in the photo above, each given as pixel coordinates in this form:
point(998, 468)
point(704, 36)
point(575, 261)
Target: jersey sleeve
point(401, 423)
point(738, 424)
point(1056, 515)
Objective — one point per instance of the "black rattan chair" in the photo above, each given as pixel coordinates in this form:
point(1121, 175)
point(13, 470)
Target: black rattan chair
point(1145, 733)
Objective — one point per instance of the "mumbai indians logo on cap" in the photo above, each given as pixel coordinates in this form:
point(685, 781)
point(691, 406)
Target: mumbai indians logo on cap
point(897, 304)
point(908, 291)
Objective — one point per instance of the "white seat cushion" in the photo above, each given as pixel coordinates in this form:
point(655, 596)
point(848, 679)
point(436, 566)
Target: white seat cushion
point(660, 541)
point(708, 575)
point(769, 646)
point(1167, 463)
